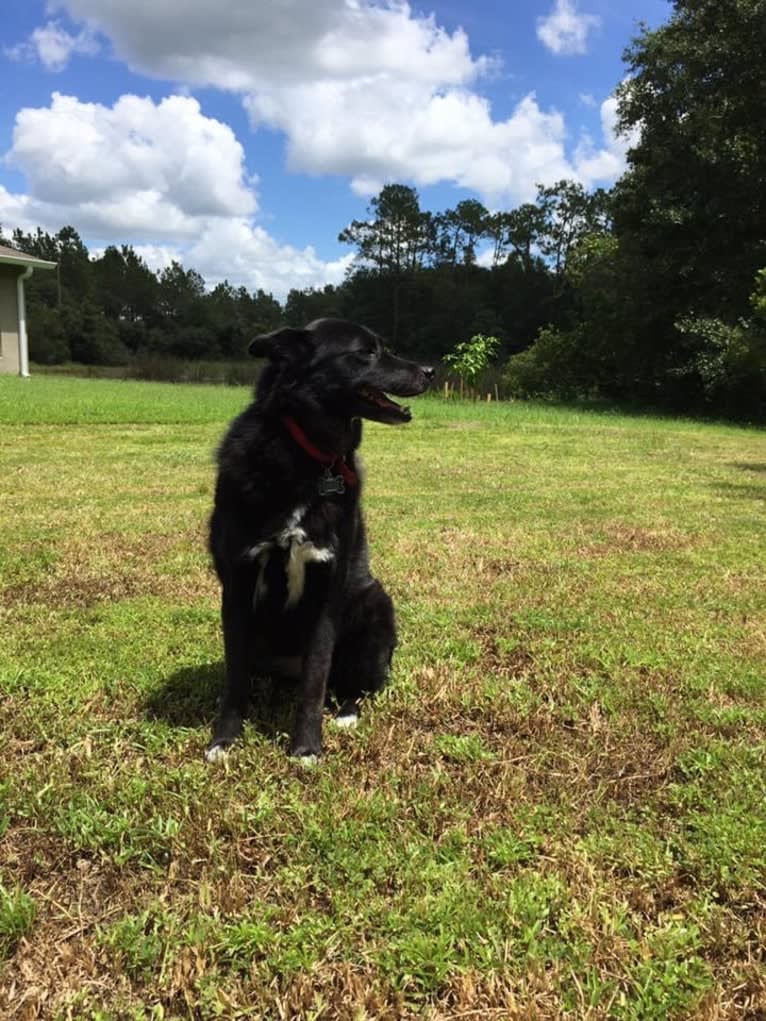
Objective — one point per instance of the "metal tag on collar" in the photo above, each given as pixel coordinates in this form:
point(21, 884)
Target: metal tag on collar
point(328, 483)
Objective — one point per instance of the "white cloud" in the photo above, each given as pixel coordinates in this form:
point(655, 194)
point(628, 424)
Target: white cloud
point(160, 174)
point(485, 257)
point(53, 46)
point(156, 257)
point(244, 254)
point(601, 166)
point(375, 136)
point(239, 251)
point(136, 166)
point(372, 91)
point(238, 44)
point(565, 30)
point(17, 211)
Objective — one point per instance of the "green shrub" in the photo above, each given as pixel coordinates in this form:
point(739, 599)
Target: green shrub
point(726, 365)
point(47, 343)
point(471, 358)
point(555, 366)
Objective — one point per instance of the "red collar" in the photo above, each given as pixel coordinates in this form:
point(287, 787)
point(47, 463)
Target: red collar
point(336, 463)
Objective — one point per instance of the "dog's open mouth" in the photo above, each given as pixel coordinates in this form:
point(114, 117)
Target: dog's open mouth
point(382, 406)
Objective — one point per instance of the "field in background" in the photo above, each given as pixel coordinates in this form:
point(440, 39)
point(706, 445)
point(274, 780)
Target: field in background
point(159, 369)
point(163, 369)
point(556, 809)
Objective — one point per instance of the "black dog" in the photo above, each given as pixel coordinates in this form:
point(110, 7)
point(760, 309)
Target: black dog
point(287, 534)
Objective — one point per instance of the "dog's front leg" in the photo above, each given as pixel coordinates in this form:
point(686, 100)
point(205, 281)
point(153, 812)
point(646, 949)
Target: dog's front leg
point(236, 616)
point(306, 740)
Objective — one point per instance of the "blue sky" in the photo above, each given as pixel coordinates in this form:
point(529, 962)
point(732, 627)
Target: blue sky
point(242, 136)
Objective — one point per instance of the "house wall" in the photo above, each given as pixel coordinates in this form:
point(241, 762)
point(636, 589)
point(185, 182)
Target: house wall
point(9, 320)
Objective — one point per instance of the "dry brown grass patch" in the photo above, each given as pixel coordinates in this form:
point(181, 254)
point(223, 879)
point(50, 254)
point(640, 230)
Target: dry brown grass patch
point(74, 894)
point(623, 538)
point(114, 566)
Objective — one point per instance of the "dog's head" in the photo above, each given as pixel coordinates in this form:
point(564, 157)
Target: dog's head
point(339, 368)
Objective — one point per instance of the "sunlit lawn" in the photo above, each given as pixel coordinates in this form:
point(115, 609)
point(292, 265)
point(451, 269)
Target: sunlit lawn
point(556, 809)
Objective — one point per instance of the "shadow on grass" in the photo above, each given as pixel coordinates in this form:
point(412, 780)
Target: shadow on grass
point(647, 410)
point(750, 491)
point(750, 466)
point(189, 697)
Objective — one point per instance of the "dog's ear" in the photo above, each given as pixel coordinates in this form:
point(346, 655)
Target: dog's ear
point(285, 344)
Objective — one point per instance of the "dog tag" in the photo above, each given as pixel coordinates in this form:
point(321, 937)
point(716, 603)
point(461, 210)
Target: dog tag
point(328, 483)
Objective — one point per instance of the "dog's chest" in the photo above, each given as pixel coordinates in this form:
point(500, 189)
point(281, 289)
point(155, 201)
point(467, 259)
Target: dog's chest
point(283, 560)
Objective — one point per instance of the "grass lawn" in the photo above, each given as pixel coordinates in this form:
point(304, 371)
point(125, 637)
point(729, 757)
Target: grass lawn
point(557, 809)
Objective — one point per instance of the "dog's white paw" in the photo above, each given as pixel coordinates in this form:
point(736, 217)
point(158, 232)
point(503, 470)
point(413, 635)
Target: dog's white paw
point(307, 761)
point(347, 722)
point(216, 753)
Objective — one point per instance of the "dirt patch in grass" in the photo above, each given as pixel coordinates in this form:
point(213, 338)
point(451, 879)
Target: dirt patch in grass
point(114, 566)
point(622, 538)
point(755, 637)
point(68, 590)
point(500, 657)
point(73, 894)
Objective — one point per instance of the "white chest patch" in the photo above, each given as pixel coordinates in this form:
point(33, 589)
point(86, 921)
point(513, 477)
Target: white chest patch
point(300, 552)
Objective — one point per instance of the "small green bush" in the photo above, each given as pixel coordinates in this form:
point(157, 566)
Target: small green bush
point(472, 357)
point(555, 366)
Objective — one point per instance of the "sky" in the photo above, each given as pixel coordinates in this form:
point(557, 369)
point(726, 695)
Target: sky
point(241, 136)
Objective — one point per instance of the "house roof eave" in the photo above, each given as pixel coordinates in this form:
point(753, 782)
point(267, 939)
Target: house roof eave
point(10, 258)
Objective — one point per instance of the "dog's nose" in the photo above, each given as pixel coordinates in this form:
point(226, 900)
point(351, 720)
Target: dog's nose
point(428, 372)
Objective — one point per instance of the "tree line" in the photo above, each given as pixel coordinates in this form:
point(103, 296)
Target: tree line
point(652, 292)
point(415, 277)
point(107, 310)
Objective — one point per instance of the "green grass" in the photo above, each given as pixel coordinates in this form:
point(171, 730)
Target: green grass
point(17, 913)
point(555, 811)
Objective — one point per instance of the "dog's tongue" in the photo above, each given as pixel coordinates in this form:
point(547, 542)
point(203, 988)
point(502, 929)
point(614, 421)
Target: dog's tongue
point(379, 398)
point(384, 402)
